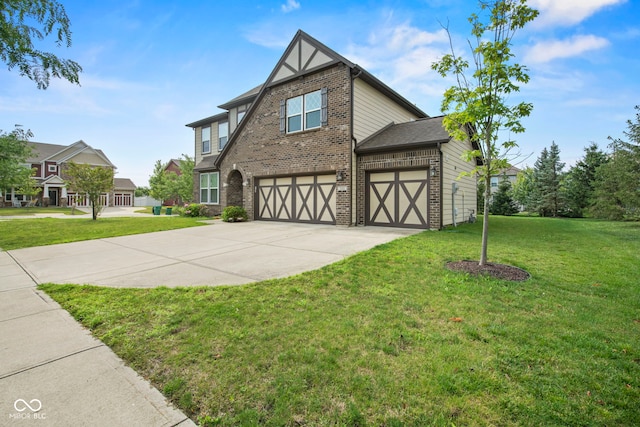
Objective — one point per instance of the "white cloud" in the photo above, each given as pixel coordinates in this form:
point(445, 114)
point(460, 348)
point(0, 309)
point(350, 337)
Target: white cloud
point(290, 6)
point(568, 12)
point(549, 50)
point(401, 56)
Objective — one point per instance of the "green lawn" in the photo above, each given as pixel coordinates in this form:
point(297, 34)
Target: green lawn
point(389, 337)
point(38, 210)
point(24, 233)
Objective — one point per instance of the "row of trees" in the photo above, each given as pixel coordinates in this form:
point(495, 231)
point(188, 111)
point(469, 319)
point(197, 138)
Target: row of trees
point(166, 184)
point(602, 185)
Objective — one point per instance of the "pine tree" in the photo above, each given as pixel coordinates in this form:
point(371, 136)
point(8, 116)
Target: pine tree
point(547, 197)
point(580, 180)
point(616, 192)
point(502, 201)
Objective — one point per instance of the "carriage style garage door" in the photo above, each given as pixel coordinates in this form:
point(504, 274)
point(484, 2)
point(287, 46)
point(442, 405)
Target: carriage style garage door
point(397, 198)
point(297, 198)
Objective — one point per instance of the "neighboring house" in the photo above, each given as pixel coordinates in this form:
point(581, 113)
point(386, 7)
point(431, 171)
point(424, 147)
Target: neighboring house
point(324, 141)
point(50, 161)
point(511, 173)
point(173, 166)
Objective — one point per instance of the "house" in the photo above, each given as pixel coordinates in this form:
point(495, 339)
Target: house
point(324, 141)
point(49, 162)
point(173, 165)
point(511, 173)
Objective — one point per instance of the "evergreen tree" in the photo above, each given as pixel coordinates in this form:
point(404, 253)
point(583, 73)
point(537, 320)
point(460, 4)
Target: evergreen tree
point(547, 197)
point(580, 180)
point(616, 191)
point(502, 201)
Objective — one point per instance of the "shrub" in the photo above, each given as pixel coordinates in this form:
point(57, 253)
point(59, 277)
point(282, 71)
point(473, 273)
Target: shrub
point(191, 210)
point(234, 213)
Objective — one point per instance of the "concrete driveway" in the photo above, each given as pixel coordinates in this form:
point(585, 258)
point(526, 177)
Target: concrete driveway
point(217, 254)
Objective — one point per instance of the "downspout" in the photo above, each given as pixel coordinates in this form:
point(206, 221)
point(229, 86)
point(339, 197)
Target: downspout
point(354, 171)
point(441, 182)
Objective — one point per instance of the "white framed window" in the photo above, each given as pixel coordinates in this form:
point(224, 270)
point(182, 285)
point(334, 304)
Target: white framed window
point(51, 168)
point(312, 104)
point(304, 112)
point(242, 111)
point(223, 134)
point(206, 139)
point(209, 190)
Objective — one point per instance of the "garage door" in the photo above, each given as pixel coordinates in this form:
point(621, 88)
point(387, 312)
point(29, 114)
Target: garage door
point(297, 199)
point(397, 199)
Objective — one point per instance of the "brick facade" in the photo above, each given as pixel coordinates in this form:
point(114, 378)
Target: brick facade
point(408, 159)
point(262, 150)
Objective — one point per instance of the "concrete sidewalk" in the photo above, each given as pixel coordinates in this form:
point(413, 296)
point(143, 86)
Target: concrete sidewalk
point(48, 361)
point(54, 373)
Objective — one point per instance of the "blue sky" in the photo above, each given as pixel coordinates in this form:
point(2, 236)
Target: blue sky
point(151, 66)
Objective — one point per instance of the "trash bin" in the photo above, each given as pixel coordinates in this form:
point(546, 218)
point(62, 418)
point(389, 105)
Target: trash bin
point(168, 212)
point(156, 210)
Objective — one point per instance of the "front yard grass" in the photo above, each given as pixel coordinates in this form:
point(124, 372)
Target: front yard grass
point(389, 337)
point(39, 210)
point(25, 233)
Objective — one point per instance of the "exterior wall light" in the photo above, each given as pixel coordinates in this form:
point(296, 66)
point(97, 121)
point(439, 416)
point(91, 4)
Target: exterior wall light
point(434, 170)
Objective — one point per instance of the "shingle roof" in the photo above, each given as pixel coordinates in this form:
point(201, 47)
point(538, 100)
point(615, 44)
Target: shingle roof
point(206, 163)
point(42, 151)
point(427, 131)
point(242, 99)
point(207, 120)
point(123, 184)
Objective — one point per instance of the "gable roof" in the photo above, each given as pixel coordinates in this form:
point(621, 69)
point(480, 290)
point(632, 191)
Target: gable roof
point(60, 153)
point(418, 133)
point(306, 55)
point(123, 184)
point(245, 98)
point(206, 120)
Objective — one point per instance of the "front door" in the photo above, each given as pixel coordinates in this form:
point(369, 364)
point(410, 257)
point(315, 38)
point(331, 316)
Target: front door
point(53, 197)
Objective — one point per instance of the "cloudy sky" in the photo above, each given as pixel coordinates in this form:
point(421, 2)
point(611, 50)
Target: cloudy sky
point(151, 66)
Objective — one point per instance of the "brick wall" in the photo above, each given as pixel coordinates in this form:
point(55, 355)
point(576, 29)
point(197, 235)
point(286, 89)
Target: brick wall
point(408, 159)
point(260, 150)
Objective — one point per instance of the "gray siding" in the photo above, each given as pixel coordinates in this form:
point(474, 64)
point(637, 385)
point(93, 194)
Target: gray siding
point(465, 197)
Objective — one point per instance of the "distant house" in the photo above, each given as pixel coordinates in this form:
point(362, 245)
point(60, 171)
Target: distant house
point(511, 173)
point(173, 166)
point(323, 141)
point(50, 161)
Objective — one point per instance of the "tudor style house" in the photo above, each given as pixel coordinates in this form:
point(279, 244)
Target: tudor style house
point(49, 162)
point(324, 141)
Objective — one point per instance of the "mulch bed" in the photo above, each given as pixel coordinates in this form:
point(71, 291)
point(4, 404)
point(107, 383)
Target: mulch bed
point(497, 271)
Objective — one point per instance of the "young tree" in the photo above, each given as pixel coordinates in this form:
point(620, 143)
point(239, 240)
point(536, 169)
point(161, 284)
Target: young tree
point(159, 186)
point(181, 186)
point(477, 106)
point(547, 194)
point(617, 186)
point(92, 180)
point(502, 202)
point(580, 180)
point(16, 40)
point(523, 187)
point(14, 152)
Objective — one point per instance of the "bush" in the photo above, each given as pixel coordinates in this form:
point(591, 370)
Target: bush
point(191, 210)
point(234, 213)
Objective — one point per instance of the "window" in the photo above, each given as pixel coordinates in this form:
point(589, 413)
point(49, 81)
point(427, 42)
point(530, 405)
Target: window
point(52, 168)
point(242, 111)
point(206, 140)
point(304, 112)
point(209, 188)
point(494, 181)
point(223, 134)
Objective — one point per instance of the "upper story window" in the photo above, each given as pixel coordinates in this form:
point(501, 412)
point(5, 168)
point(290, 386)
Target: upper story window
point(206, 140)
point(242, 111)
point(51, 168)
point(223, 134)
point(304, 112)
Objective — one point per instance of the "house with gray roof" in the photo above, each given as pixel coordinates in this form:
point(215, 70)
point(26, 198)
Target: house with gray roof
point(324, 141)
point(49, 162)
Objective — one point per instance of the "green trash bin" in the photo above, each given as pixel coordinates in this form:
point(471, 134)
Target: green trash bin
point(156, 210)
point(168, 211)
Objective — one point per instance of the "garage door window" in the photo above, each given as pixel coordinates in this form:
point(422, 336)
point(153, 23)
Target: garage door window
point(209, 188)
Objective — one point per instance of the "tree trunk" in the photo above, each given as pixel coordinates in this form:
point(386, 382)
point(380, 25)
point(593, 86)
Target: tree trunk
point(93, 211)
point(485, 217)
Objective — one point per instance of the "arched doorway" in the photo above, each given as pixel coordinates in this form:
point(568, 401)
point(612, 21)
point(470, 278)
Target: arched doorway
point(234, 189)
